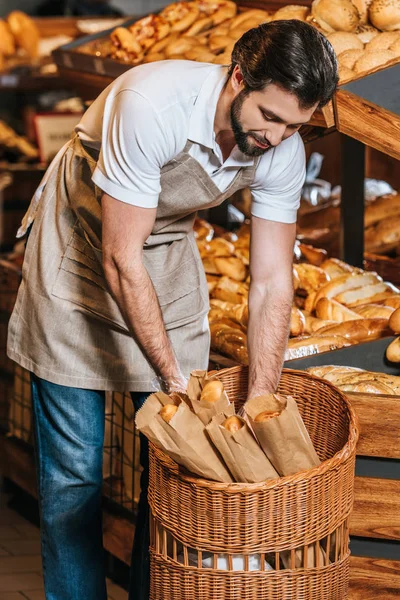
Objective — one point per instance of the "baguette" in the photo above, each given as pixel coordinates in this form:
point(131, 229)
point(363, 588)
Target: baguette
point(369, 294)
point(314, 344)
point(393, 300)
point(360, 330)
point(336, 268)
point(297, 322)
point(374, 311)
point(311, 277)
point(348, 281)
point(330, 310)
point(313, 324)
point(266, 415)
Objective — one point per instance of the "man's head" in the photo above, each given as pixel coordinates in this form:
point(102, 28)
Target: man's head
point(280, 73)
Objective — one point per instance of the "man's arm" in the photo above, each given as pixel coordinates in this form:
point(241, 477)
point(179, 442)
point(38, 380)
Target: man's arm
point(125, 230)
point(270, 301)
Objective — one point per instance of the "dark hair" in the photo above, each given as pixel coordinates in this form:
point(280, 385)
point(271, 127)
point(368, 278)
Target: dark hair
point(291, 54)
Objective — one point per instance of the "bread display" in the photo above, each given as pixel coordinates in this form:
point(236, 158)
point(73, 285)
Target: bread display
point(335, 305)
point(351, 379)
point(206, 31)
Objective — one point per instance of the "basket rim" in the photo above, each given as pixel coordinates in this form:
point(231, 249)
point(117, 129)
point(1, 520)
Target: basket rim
point(236, 487)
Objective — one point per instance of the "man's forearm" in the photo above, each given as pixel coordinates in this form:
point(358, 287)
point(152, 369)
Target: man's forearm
point(267, 335)
point(134, 293)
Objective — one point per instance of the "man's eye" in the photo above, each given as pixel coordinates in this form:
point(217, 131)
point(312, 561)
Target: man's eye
point(266, 117)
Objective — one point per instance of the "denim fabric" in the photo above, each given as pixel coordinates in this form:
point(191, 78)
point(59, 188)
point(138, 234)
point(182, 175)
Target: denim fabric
point(69, 433)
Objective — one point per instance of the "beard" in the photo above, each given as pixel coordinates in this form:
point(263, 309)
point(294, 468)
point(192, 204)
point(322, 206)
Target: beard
point(243, 139)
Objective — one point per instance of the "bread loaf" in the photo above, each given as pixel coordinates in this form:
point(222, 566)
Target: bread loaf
point(393, 351)
point(335, 15)
point(167, 412)
point(385, 206)
point(385, 14)
point(314, 344)
point(394, 321)
point(297, 322)
point(330, 310)
point(266, 415)
point(393, 301)
point(25, 32)
point(233, 423)
point(348, 281)
point(384, 236)
point(311, 277)
point(231, 291)
point(212, 391)
point(315, 256)
point(232, 266)
point(336, 268)
point(368, 294)
point(361, 330)
point(374, 311)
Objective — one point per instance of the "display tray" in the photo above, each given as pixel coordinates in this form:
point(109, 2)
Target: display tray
point(367, 355)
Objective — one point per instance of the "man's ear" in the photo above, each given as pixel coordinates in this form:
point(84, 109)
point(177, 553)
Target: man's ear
point(237, 79)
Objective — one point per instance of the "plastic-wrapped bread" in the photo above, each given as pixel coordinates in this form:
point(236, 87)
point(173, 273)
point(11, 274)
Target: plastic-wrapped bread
point(314, 344)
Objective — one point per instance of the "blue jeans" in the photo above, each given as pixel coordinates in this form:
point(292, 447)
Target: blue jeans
point(69, 434)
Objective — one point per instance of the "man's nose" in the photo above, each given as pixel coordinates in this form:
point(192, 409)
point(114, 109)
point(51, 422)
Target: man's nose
point(276, 133)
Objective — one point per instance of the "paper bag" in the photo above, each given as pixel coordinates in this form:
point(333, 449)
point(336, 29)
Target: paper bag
point(284, 438)
point(241, 452)
point(203, 409)
point(184, 438)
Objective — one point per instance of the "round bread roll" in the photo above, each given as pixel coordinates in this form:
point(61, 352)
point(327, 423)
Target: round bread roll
point(25, 32)
point(342, 41)
point(233, 424)
point(212, 391)
point(292, 11)
point(366, 33)
point(7, 44)
point(372, 60)
point(385, 14)
point(335, 15)
point(345, 74)
point(266, 415)
point(362, 7)
point(383, 41)
point(348, 58)
point(394, 321)
point(167, 412)
point(393, 351)
point(180, 15)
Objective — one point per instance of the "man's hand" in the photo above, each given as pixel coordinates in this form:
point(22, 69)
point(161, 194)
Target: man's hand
point(270, 301)
point(125, 230)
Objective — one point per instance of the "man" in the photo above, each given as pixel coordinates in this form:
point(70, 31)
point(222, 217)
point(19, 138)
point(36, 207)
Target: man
point(113, 292)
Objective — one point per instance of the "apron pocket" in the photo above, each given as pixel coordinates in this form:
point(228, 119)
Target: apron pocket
point(81, 280)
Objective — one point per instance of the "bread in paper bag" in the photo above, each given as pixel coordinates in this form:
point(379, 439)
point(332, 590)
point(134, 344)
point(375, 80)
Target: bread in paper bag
point(242, 454)
point(207, 396)
point(183, 438)
point(283, 436)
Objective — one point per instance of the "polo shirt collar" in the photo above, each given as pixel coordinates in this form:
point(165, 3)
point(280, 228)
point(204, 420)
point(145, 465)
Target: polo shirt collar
point(201, 126)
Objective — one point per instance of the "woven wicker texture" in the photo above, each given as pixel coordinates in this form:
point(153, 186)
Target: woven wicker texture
point(280, 521)
point(276, 515)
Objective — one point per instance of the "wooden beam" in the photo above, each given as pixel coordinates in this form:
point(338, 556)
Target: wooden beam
point(379, 424)
point(376, 512)
point(368, 123)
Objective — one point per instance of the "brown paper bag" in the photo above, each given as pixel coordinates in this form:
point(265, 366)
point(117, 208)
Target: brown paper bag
point(240, 451)
point(184, 438)
point(284, 438)
point(203, 409)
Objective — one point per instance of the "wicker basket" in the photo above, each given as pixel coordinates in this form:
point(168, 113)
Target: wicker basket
point(193, 519)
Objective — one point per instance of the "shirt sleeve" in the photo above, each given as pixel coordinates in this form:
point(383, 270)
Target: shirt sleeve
point(133, 150)
point(277, 186)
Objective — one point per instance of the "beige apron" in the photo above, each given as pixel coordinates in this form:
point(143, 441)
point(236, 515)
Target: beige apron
point(66, 327)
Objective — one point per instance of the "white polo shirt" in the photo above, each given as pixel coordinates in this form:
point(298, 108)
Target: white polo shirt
point(143, 120)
